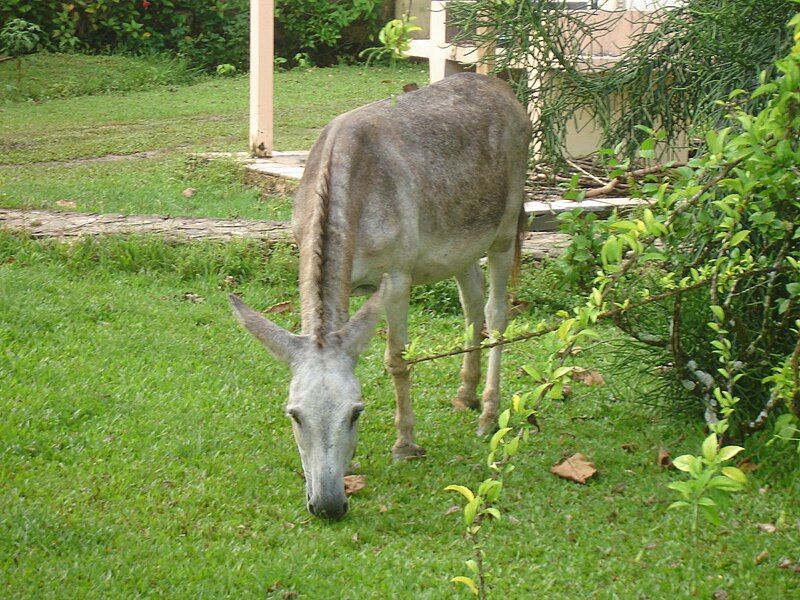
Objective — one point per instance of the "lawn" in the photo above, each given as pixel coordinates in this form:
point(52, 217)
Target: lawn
point(144, 449)
point(168, 121)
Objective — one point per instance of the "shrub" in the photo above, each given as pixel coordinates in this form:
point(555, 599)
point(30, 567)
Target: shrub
point(207, 33)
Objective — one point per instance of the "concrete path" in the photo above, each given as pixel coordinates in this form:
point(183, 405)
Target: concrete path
point(71, 225)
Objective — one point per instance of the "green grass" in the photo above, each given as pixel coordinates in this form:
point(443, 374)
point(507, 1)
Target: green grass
point(170, 122)
point(143, 445)
point(144, 451)
point(47, 76)
point(210, 115)
point(154, 186)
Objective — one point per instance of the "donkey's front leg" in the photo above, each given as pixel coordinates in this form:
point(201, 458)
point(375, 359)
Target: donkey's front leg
point(396, 292)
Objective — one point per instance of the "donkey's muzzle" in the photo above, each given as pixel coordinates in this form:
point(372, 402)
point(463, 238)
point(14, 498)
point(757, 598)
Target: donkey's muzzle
point(328, 510)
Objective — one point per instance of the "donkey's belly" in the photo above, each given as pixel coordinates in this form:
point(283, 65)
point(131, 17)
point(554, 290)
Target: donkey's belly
point(431, 261)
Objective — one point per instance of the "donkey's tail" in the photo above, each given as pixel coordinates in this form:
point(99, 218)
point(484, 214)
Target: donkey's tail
point(522, 228)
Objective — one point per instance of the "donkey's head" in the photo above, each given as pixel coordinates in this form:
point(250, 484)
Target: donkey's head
point(324, 397)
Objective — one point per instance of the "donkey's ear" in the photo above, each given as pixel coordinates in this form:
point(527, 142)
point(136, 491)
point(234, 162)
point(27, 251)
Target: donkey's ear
point(281, 344)
point(358, 331)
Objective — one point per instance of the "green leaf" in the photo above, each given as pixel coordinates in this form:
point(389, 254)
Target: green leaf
point(718, 312)
point(464, 491)
point(684, 487)
point(711, 514)
point(678, 504)
point(470, 509)
point(495, 441)
point(725, 484)
point(684, 462)
point(504, 417)
point(467, 582)
point(472, 565)
point(734, 473)
point(512, 446)
point(738, 237)
point(493, 511)
point(728, 452)
point(710, 447)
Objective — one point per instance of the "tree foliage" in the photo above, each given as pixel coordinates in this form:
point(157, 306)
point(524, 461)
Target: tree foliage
point(681, 60)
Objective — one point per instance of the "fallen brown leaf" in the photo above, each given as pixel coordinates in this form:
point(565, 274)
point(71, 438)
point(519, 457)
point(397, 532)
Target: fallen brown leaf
point(575, 468)
point(664, 461)
point(767, 527)
point(593, 378)
point(354, 484)
point(189, 192)
point(452, 510)
point(572, 351)
point(629, 447)
point(518, 307)
point(785, 563)
point(66, 203)
point(747, 466)
point(720, 594)
point(192, 297)
point(383, 509)
point(533, 422)
point(280, 307)
point(761, 556)
point(410, 87)
point(355, 537)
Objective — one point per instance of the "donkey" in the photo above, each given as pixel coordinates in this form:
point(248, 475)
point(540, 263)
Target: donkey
point(413, 189)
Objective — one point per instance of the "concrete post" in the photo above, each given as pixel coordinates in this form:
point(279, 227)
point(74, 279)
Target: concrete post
point(262, 41)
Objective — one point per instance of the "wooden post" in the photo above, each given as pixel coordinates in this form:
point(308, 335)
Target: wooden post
point(262, 38)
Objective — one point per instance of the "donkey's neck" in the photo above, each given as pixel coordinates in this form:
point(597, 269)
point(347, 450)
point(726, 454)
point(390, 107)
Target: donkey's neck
point(326, 256)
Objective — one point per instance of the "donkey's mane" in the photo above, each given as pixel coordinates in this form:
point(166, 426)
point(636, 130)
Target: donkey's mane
point(319, 237)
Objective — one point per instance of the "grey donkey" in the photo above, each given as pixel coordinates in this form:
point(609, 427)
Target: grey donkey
point(410, 190)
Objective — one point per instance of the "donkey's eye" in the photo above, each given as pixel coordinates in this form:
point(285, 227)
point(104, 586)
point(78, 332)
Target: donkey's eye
point(294, 416)
point(356, 413)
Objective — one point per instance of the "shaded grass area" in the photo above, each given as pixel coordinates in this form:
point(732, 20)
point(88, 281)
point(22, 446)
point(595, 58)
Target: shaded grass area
point(46, 76)
point(151, 186)
point(145, 452)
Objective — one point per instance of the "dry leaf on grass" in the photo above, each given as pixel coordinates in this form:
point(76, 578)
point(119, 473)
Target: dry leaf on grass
point(575, 468)
point(664, 461)
point(594, 378)
point(410, 87)
point(383, 509)
point(192, 297)
point(629, 447)
point(761, 556)
point(189, 192)
point(280, 307)
point(767, 527)
point(354, 483)
point(66, 203)
point(747, 466)
point(518, 307)
point(452, 510)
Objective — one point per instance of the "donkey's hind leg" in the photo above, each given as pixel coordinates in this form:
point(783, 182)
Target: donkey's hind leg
point(470, 291)
point(500, 265)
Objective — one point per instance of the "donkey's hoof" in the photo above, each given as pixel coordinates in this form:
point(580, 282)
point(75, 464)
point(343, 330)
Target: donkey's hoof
point(407, 451)
point(486, 428)
point(460, 403)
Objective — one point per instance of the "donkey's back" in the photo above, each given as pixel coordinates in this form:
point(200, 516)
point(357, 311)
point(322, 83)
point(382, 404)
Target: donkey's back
point(423, 180)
